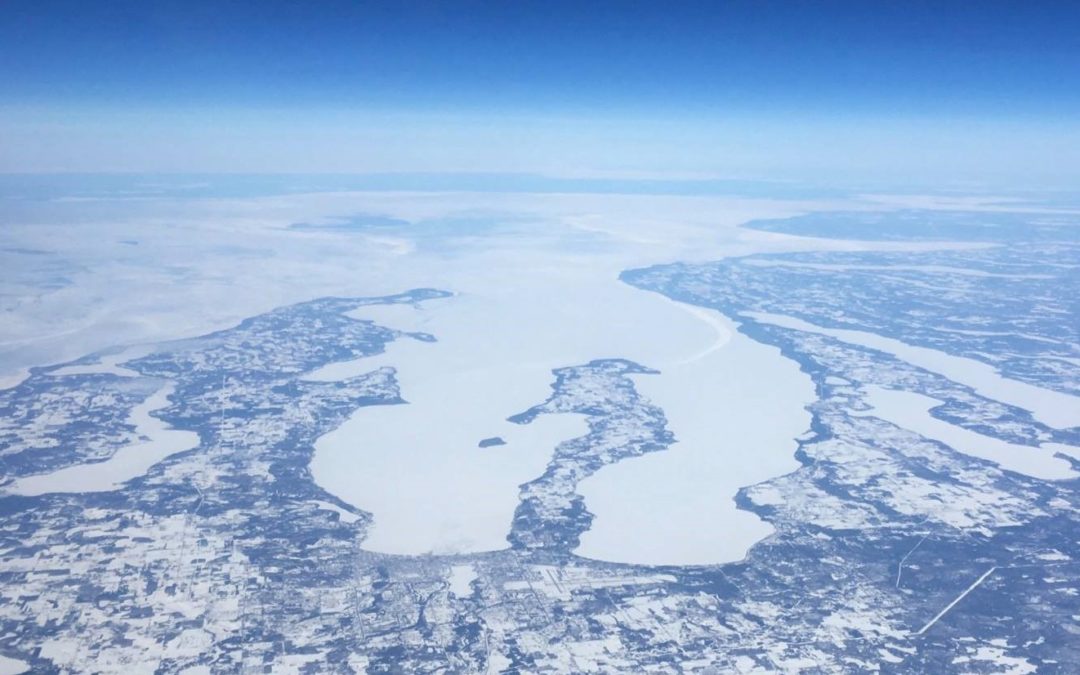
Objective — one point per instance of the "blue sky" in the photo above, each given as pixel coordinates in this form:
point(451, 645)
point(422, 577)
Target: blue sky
point(963, 89)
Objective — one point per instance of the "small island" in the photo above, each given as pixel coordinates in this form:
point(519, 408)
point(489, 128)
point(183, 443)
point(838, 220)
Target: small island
point(491, 442)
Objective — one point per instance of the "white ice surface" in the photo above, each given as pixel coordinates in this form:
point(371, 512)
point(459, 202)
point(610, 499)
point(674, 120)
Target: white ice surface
point(10, 666)
point(736, 410)
point(13, 379)
point(735, 405)
point(1052, 408)
point(911, 411)
point(110, 363)
point(418, 468)
point(128, 462)
point(345, 516)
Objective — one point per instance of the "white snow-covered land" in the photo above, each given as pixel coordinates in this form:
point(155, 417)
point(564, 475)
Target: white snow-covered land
point(536, 287)
point(596, 380)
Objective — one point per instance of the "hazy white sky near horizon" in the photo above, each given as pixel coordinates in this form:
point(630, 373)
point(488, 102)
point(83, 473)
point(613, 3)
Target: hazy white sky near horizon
point(792, 146)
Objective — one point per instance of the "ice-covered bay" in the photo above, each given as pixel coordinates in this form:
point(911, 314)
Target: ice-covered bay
point(108, 363)
point(911, 411)
point(128, 462)
point(1053, 408)
point(735, 406)
point(418, 467)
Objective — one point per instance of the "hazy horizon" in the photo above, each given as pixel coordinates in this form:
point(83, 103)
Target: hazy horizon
point(838, 91)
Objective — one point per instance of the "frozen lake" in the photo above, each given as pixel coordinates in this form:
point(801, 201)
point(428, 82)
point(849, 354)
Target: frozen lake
point(129, 461)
